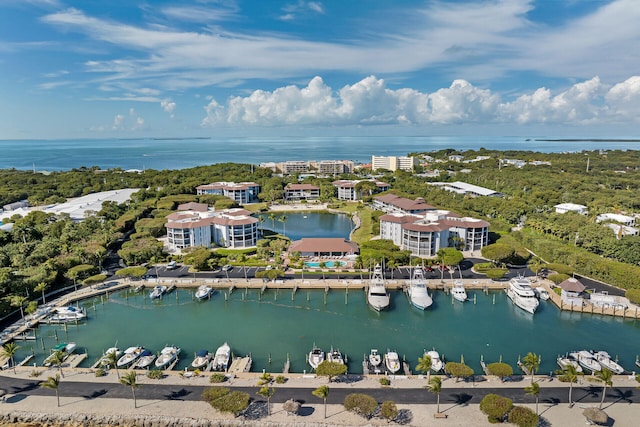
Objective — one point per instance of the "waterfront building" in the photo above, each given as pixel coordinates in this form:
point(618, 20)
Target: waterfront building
point(460, 187)
point(347, 188)
point(324, 247)
point(334, 167)
point(393, 163)
point(195, 224)
point(392, 203)
point(241, 192)
point(425, 234)
point(572, 290)
point(294, 166)
point(301, 192)
point(563, 208)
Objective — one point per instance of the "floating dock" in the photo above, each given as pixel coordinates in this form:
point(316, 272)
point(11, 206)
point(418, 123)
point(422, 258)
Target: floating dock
point(240, 365)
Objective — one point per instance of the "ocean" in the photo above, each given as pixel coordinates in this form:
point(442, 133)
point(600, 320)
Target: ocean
point(160, 154)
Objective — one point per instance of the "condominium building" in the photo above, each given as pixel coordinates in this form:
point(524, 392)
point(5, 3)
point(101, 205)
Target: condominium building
point(195, 224)
point(347, 188)
point(241, 192)
point(392, 203)
point(466, 189)
point(301, 192)
point(393, 163)
point(334, 167)
point(295, 166)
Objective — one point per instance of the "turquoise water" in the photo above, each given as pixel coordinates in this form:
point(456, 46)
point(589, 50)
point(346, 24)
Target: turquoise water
point(276, 324)
point(310, 224)
point(328, 264)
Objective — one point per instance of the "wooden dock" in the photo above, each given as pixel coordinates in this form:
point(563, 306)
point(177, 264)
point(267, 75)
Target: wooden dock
point(240, 365)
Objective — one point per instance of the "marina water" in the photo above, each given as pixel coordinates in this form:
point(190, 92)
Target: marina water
point(275, 324)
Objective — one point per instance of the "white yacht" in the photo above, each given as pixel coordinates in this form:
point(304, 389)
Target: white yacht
point(377, 296)
point(568, 360)
point(65, 348)
point(458, 292)
point(541, 293)
point(221, 358)
point(201, 359)
point(437, 365)
point(145, 360)
point(67, 314)
point(335, 356)
point(586, 360)
point(203, 292)
point(316, 357)
point(158, 291)
point(418, 292)
point(167, 356)
point(606, 361)
point(392, 361)
point(374, 358)
point(103, 361)
point(522, 295)
point(130, 355)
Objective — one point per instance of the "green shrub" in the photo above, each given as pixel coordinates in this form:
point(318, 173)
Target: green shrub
point(495, 407)
point(558, 278)
point(155, 374)
point(389, 410)
point(481, 267)
point(235, 402)
point(281, 379)
point(557, 291)
point(100, 373)
point(500, 369)
point(523, 417)
point(214, 393)
point(560, 268)
point(94, 280)
point(217, 377)
point(361, 404)
point(633, 295)
point(495, 273)
point(385, 381)
point(458, 370)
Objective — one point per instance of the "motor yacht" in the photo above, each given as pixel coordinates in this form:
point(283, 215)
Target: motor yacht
point(392, 361)
point(221, 358)
point(203, 292)
point(157, 291)
point(606, 361)
point(335, 356)
point(66, 348)
point(418, 292)
point(567, 360)
point(458, 292)
point(67, 314)
point(377, 296)
point(437, 364)
point(522, 295)
point(586, 360)
point(541, 293)
point(375, 359)
point(104, 359)
point(201, 359)
point(129, 356)
point(145, 360)
point(167, 356)
point(316, 357)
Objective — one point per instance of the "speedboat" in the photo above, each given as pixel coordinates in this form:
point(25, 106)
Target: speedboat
point(522, 295)
point(221, 358)
point(68, 314)
point(377, 296)
point(316, 357)
point(167, 356)
point(392, 361)
point(374, 358)
point(203, 292)
point(606, 361)
point(437, 365)
point(458, 292)
point(201, 359)
point(65, 348)
point(586, 360)
point(157, 291)
point(418, 292)
point(568, 360)
point(130, 355)
point(335, 356)
point(541, 293)
point(145, 360)
point(104, 361)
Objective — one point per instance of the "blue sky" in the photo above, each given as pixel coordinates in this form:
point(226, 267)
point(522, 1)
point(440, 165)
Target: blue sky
point(90, 69)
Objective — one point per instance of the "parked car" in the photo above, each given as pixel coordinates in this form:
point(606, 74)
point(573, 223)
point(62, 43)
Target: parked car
point(172, 265)
point(227, 267)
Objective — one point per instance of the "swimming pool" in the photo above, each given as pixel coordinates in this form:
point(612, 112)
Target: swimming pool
point(327, 264)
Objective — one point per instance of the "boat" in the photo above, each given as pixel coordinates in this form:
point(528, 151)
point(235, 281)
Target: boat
point(65, 348)
point(392, 361)
point(157, 291)
point(139, 288)
point(201, 359)
point(145, 360)
point(437, 364)
point(418, 292)
point(203, 292)
point(567, 360)
point(377, 296)
point(104, 359)
point(167, 356)
point(522, 295)
point(541, 293)
point(458, 292)
point(603, 358)
point(586, 360)
point(129, 356)
point(374, 358)
point(67, 314)
point(221, 358)
point(316, 357)
point(335, 356)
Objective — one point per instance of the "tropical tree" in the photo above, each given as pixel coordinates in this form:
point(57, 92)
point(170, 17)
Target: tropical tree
point(424, 365)
point(283, 220)
point(322, 265)
point(41, 287)
point(17, 301)
point(570, 374)
point(111, 361)
point(267, 392)
point(9, 350)
point(272, 217)
point(531, 363)
point(52, 383)
point(435, 386)
point(389, 410)
point(261, 219)
point(57, 359)
point(500, 369)
point(605, 376)
point(458, 370)
point(534, 390)
point(322, 392)
point(331, 369)
point(391, 264)
point(130, 379)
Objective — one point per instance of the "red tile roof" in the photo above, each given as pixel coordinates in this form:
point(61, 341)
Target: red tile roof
point(193, 206)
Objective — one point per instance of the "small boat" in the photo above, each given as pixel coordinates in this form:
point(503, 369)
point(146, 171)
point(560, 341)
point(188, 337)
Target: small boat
point(458, 292)
point(130, 355)
point(103, 361)
point(316, 357)
point(145, 360)
point(222, 358)
point(522, 295)
point(157, 291)
point(586, 360)
point(437, 365)
point(335, 356)
point(541, 293)
point(139, 288)
point(392, 361)
point(374, 358)
point(566, 360)
point(67, 314)
point(65, 348)
point(418, 292)
point(201, 359)
point(203, 292)
point(607, 362)
point(377, 296)
point(167, 356)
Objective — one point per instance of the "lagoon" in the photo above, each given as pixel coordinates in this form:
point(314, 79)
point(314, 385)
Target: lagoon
point(310, 224)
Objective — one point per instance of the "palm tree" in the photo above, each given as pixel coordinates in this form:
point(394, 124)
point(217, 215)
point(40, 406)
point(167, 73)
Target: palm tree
point(570, 374)
point(322, 392)
point(57, 359)
point(424, 365)
point(9, 350)
point(531, 363)
point(534, 390)
point(272, 217)
point(606, 377)
point(283, 220)
point(111, 361)
point(41, 287)
point(52, 383)
point(435, 386)
point(391, 264)
point(129, 379)
point(17, 301)
point(261, 219)
point(322, 266)
point(267, 392)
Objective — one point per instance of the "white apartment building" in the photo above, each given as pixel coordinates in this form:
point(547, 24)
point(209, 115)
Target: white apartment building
point(392, 203)
point(347, 188)
point(241, 192)
point(460, 187)
point(301, 192)
point(393, 163)
point(333, 167)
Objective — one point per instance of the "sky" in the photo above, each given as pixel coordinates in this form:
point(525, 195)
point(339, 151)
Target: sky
point(155, 68)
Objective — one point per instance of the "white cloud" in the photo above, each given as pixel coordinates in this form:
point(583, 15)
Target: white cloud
point(462, 103)
point(118, 122)
point(623, 100)
point(132, 122)
point(168, 105)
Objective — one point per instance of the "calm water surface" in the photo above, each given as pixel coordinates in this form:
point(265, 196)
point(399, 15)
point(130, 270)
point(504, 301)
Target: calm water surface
point(310, 224)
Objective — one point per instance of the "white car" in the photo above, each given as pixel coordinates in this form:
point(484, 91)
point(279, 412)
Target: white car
point(227, 267)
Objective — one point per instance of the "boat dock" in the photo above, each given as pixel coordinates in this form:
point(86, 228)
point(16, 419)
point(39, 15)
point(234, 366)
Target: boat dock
point(240, 365)
point(74, 360)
